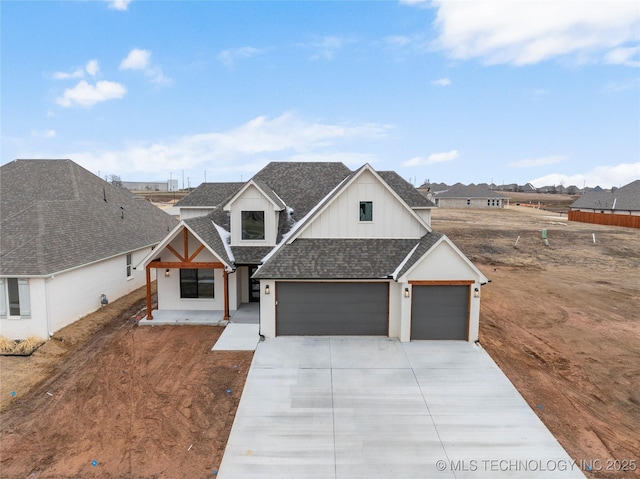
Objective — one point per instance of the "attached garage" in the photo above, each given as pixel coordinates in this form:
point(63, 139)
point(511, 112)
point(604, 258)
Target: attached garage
point(440, 312)
point(327, 309)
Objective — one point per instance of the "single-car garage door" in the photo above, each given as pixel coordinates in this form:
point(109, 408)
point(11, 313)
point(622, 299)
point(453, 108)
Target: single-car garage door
point(439, 312)
point(324, 309)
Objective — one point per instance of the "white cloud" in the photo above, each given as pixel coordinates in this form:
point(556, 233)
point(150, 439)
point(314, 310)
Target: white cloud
point(441, 82)
point(414, 2)
point(87, 95)
point(546, 160)
point(92, 67)
point(530, 31)
point(624, 56)
point(603, 176)
point(46, 134)
point(118, 4)
point(228, 57)
point(432, 158)
point(137, 59)
point(262, 139)
point(326, 47)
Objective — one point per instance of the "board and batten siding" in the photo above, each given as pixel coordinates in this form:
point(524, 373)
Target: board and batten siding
point(253, 200)
point(341, 219)
point(186, 213)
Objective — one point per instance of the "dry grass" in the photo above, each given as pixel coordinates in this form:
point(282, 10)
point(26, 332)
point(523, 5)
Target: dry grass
point(28, 345)
point(6, 345)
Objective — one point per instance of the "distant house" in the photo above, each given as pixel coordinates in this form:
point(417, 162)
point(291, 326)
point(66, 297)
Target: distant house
point(620, 207)
point(67, 238)
point(169, 185)
point(472, 196)
point(324, 251)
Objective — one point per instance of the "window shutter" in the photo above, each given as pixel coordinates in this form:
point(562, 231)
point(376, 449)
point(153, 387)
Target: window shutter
point(3, 300)
point(25, 300)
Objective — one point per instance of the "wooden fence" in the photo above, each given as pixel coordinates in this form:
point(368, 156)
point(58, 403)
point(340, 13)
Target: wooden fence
point(605, 219)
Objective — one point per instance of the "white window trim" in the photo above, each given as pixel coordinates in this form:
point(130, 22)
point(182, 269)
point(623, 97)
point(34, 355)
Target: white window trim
point(129, 265)
point(365, 222)
point(24, 299)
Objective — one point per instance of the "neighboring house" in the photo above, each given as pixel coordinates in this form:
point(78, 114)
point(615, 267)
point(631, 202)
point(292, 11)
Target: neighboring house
point(326, 251)
point(618, 208)
point(472, 196)
point(66, 238)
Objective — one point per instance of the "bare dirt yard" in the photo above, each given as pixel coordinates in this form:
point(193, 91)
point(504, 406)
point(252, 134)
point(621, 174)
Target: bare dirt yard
point(109, 399)
point(563, 322)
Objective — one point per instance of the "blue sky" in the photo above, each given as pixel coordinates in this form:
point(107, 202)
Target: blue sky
point(471, 91)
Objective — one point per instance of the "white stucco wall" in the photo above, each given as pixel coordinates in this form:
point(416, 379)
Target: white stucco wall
point(63, 298)
point(395, 309)
point(341, 219)
point(268, 309)
point(169, 293)
point(253, 200)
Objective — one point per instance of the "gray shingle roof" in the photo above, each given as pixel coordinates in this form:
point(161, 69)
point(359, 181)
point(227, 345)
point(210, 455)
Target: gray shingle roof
point(210, 194)
point(472, 191)
point(308, 258)
point(203, 226)
point(54, 217)
point(626, 198)
point(426, 243)
point(273, 196)
point(405, 190)
point(250, 254)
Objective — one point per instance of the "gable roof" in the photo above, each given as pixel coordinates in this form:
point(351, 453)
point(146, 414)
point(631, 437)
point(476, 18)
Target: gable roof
point(210, 194)
point(263, 188)
point(472, 191)
point(314, 258)
point(56, 216)
point(626, 198)
point(405, 190)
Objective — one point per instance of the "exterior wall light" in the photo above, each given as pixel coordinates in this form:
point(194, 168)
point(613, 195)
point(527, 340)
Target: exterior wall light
point(476, 293)
point(167, 273)
point(406, 292)
point(267, 290)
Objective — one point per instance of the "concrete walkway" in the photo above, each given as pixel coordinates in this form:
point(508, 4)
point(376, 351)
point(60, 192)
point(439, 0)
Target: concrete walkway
point(377, 408)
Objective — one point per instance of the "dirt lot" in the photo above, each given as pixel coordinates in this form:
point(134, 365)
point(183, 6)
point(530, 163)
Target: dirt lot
point(142, 402)
point(563, 322)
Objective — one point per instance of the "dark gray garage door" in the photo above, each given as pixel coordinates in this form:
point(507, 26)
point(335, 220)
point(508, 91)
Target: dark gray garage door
point(323, 309)
point(439, 312)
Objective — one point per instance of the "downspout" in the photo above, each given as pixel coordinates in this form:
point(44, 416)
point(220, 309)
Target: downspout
point(47, 308)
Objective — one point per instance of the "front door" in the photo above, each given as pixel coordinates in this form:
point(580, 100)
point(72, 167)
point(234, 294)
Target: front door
point(254, 286)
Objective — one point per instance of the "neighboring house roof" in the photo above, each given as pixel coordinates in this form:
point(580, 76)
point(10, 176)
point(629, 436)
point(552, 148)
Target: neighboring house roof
point(332, 258)
point(56, 216)
point(209, 194)
point(405, 190)
point(472, 191)
point(626, 198)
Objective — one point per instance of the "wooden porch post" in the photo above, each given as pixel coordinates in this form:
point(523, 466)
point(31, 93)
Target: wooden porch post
point(226, 294)
point(149, 315)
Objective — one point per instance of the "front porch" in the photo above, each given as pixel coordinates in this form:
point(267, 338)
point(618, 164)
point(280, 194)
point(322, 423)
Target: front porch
point(247, 313)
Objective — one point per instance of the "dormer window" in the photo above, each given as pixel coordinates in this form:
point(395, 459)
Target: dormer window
point(253, 225)
point(366, 211)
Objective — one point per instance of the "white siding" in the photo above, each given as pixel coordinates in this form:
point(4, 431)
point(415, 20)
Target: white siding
point(186, 213)
point(169, 294)
point(425, 214)
point(72, 295)
point(341, 219)
point(252, 200)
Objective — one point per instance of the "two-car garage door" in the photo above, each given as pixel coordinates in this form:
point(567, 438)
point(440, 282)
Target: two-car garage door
point(325, 309)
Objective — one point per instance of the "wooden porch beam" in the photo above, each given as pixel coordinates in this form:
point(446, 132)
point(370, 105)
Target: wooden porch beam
point(186, 265)
point(197, 252)
point(175, 253)
point(149, 315)
point(185, 234)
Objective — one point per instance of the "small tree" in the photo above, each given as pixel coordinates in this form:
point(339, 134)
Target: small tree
point(115, 180)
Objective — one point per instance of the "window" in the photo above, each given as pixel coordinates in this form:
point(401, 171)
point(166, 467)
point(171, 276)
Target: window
point(14, 297)
point(196, 283)
point(468, 201)
point(366, 211)
point(129, 265)
point(253, 225)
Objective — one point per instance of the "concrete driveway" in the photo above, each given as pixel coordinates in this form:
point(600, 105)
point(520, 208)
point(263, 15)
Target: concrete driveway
point(336, 407)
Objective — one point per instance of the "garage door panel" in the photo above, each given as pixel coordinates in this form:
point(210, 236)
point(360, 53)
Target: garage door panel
point(440, 312)
point(332, 309)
